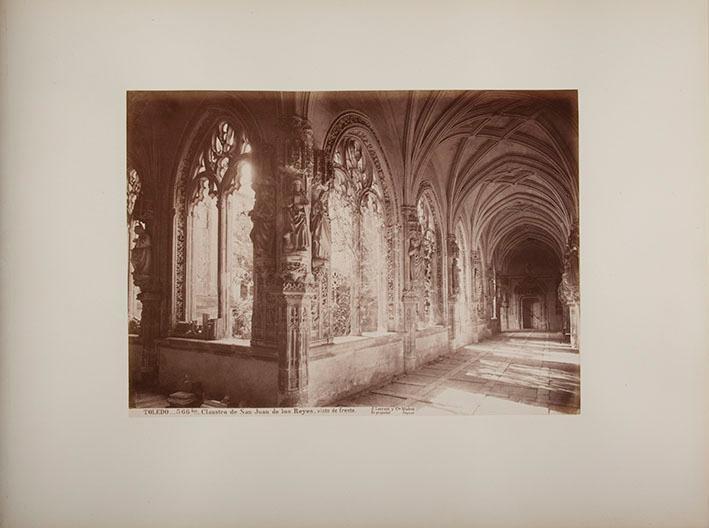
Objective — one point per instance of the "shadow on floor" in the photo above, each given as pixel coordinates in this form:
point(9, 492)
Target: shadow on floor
point(510, 374)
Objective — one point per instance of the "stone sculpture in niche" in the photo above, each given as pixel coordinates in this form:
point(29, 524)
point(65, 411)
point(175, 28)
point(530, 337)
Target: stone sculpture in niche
point(455, 270)
point(569, 287)
point(415, 256)
point(296, 236)
point(262, 217)
point(141, 254)
point(320, 221)
point(262, 232)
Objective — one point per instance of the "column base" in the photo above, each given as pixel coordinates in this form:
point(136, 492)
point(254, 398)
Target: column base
point(296, 398)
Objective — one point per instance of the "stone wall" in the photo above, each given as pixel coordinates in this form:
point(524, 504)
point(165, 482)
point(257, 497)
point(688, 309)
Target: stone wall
point(335, 370)
point(135, 357)
point(431, 343)
point(465, 336)
point(249, 379)
point(342, 369)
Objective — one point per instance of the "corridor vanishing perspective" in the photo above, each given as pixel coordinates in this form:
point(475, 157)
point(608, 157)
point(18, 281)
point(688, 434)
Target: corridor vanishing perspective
point(513, 373)
point(368, 249)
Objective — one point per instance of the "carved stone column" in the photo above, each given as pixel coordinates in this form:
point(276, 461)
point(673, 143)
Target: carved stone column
point(413, 276)
point(478, 312)
point(150, 297)
point(574, 317)
point(569, 291)
point(504, 304)
point(454, 290)
point(295, 171)
point(263, 236)
point(321, 237)
point(223, 326)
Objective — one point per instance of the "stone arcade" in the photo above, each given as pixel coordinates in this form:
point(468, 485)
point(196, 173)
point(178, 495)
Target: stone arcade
point(296, 249)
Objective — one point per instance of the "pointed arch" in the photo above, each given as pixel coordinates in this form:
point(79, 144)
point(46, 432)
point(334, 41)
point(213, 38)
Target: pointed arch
point(212, 198)
point(433, 310)
point(363, 198)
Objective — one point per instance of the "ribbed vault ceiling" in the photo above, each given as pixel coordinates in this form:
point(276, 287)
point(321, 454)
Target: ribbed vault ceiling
point(505, 162)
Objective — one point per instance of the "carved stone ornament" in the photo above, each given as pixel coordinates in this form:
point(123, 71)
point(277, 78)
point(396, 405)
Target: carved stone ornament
point(569, 286)
point(415, 253)
point(296, 236)
point(295, 277)
point(352, 143)
point(134, 188)
point(297, 143)
point(319, 212)
point(454, 254)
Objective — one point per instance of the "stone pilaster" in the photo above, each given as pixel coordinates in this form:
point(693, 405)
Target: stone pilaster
point(454, 290)
point(478, 304)
point(223, 323)
point(413, 276)
point(321, 186)
point(569, 291)
point(294, 257)
point(293, 344)
point(263, 236)
point(150, 296)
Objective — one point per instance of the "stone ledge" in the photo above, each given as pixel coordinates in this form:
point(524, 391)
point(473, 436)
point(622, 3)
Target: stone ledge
point(351, 343)
point(438, 329)
point(220, 348)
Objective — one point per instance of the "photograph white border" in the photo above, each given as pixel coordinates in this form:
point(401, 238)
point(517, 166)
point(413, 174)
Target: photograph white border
point(71, 456)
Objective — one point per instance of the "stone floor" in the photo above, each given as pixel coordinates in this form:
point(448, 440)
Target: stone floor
point(514, 373)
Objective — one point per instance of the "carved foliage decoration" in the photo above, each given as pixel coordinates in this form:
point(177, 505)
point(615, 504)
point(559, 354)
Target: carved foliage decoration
point(454, 256)
point(569, 286)
point(321, 237)
point(134, 188)
point(431, 268)
point(478, 298)
point(293, 364)
point(296, 144)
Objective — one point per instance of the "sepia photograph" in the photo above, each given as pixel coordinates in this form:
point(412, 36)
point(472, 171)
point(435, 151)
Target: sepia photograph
point(397, 251)
point(317, 264)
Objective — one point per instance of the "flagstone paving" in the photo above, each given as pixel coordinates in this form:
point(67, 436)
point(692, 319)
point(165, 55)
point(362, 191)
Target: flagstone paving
point(514, 373)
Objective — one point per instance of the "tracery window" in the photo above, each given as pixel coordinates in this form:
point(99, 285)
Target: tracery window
point(221, 198)
point(358, 259)
point(431, 311)
point(372, 265)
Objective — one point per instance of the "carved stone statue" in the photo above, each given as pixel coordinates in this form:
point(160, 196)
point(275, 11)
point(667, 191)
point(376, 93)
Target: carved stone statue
point(262, 232)
point(415, 255)
point(477, 284)
point(428, 249)
point(141, 254)
point(454, 250)
point(262, 216)
point(296, 236)
point(320, 222)
point(569, 287)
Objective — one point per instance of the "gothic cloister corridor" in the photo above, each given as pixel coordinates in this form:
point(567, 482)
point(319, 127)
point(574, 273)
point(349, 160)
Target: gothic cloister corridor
point(514, 373)
point(298, 249)
point(315, 264)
